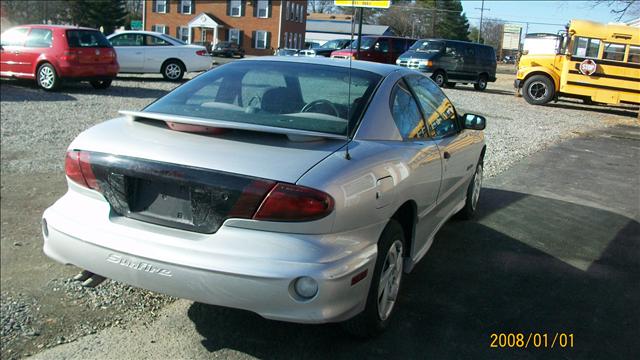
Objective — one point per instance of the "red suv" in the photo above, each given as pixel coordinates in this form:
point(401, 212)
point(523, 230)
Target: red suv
point(382, 49)
point(50, 54)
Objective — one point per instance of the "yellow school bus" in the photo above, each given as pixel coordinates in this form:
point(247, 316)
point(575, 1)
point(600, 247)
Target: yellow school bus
point(594, 62)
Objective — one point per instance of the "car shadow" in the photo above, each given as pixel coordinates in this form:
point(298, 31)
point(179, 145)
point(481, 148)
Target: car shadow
point(528, 264)
point(25, 90)
point(486, 91)
point(603, 109)
point(151, 79)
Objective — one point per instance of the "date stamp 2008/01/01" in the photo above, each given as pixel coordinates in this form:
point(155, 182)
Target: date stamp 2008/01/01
point(531, 340)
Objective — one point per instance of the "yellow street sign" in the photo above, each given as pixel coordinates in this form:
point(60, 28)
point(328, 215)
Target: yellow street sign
point(384, 4)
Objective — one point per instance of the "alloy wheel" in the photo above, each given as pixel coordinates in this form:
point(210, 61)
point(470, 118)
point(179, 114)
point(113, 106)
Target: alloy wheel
point(389, 284)
point(477, 185)
point(173, 71)
point(46, 77)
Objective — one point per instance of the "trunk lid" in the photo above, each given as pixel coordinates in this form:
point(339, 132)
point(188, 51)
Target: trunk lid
point(191, 181)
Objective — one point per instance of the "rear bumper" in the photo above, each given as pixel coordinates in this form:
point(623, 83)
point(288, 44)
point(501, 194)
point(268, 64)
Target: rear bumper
point(235, 267)
point(88, 72)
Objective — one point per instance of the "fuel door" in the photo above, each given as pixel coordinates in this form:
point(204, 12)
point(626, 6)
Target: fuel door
point(385, 191)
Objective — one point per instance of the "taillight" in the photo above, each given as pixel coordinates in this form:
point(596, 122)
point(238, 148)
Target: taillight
point(288, 202)
point(70, 56)
point(201, 52)
point(77, 166)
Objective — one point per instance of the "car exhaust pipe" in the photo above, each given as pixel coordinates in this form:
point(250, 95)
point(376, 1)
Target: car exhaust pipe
point(89, 279)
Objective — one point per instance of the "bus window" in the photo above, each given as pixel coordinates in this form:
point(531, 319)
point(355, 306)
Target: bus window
point(613, 52)
point(634, 54)
point(586, 47)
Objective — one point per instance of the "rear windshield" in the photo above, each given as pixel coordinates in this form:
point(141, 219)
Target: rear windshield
point(86, 39)
point(300, 96)
point(427, 46)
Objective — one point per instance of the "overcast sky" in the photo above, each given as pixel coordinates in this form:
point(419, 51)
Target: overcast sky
point(553, 12)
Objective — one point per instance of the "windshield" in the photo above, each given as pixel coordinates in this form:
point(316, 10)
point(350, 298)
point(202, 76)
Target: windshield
point(173, 39)
point(333, 44)
point(427, 46)
point(300, 96)
point(367, 43)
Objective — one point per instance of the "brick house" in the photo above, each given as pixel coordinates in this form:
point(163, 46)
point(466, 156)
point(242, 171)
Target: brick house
point(259, 26)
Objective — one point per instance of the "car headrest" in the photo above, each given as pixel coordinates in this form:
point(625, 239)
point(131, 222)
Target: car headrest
point(281, 100)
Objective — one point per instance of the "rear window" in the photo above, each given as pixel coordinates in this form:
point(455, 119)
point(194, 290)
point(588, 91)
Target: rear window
point(290, 95)
point(86, 39)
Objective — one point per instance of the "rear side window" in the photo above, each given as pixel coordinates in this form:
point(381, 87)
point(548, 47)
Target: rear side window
point(585, 47)
point(86, 39)
point(14, 37)
point(156, 41)
point(613, 52)
point(127, 40)
point(634, 54)
point(382, 45)
point(406, 113)
point(39, 38)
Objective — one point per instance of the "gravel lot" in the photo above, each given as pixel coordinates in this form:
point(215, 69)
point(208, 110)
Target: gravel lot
point(41, 307)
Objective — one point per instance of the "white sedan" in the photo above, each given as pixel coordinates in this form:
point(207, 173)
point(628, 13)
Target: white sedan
point(152, 52)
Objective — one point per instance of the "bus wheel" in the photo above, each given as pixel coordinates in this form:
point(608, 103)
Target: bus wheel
point(538, 90)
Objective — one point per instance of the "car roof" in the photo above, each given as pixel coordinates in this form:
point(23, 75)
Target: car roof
point(456, 41)
point(64, 27)
point(378, 68)
point(136, 32)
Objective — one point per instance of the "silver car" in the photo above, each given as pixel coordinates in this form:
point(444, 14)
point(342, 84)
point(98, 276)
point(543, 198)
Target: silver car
point(300, 189)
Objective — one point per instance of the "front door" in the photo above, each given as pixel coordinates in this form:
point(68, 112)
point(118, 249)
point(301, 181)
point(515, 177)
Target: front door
point(12, 43)
point(130, 50)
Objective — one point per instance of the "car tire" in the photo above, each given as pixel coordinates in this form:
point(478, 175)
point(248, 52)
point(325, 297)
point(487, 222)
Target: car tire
point(100, 84)
point(378, 313)
point(473, 194)
point(481, 84)
point(440, 78)
point(47, 77)
point(173, 70)
point(538, 90)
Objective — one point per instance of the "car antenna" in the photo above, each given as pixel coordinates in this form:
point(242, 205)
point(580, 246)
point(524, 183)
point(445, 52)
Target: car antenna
point(353, 25)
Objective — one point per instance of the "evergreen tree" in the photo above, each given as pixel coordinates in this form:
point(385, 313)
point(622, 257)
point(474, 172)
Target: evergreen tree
point(107, 14)
point(451, 22)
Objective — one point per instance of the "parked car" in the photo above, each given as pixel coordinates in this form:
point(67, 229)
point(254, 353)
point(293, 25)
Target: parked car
point(51, 54)
point(300, 189)
point(382, 49)
point(228, 49)
point(327, 48)
point(151, 52)
point(286, 52)
point(449, 62)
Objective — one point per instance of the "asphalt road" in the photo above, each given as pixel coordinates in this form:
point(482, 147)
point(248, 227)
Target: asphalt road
point(555, 249)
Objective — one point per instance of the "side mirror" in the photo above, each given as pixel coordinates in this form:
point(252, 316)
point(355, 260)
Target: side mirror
point(474, 122)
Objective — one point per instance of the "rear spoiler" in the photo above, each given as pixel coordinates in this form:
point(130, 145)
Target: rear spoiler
point(171, 120)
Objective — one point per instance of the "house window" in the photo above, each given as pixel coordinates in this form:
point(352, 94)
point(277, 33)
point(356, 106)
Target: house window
point(163, 29)
point(295, 41)
point(289, 13)
point(300, 41)
point(236, 8)
point(261, 39)
point(185, 6)
point(263, 8)
point(183, 33)
point(234, 35)
point(161, 6)
point(301, 13)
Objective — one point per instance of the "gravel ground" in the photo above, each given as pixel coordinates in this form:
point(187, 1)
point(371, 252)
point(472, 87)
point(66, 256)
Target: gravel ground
point(37, 126)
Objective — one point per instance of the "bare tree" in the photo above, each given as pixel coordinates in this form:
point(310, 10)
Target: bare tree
point(321, 6)
point(620, 7)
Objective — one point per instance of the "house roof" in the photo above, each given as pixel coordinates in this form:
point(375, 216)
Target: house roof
point(339, 27)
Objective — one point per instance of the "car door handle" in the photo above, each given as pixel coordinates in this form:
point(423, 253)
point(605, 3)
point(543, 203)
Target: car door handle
point(446, 155)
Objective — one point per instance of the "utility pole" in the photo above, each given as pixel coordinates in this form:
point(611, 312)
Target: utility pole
point(482, 9)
